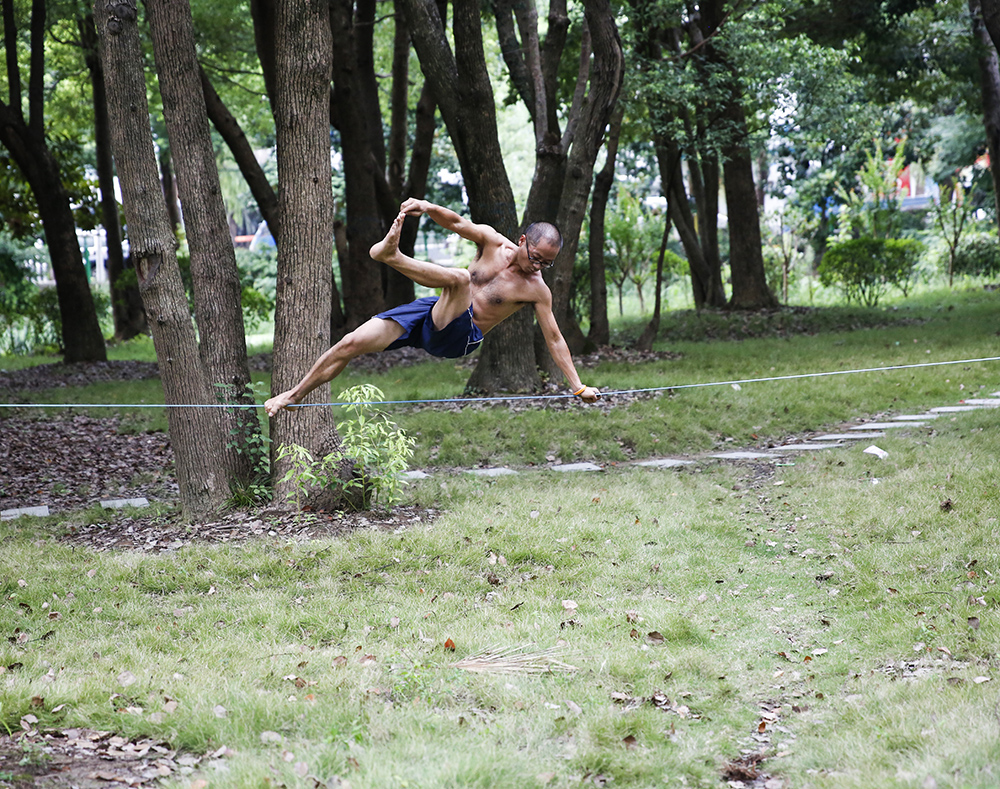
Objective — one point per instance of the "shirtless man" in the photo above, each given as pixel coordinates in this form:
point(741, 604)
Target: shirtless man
point(503, 278)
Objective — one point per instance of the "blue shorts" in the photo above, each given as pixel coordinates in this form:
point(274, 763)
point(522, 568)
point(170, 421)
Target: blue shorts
point(459, 338)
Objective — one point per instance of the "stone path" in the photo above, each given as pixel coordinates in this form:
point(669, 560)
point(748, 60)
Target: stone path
point(864, 432)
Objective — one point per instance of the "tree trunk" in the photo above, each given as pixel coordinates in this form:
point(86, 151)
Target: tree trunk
point(126, 303)
point(354, 91)
point(194, 432)
point(989, 80)
point(600, 329)
point(607, 72)
point(706, 279)
point(169, 185)
point(746, 259)
point(81, 332)
point(230, 131)
point(398, 288)
point(214, 274)
point(462, 86)
point(645, 341)
point(302, 58)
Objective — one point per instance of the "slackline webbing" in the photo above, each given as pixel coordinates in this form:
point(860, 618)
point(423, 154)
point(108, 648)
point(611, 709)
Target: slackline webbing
point(510, 398)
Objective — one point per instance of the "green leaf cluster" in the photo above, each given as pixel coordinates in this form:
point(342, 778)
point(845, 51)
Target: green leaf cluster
point(864, 268)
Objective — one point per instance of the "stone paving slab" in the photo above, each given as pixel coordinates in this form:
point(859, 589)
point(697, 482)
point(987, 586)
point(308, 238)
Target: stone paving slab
point(850, 436)
point(117, 504)
point(985, 402)
point(811, 445)
point(490, 472)
point(664, 463)
point(887, 425)
point(39, 512)
point(914, 417)
point(415, 475)
point(577, 467)
point(744, 455)
point(956, 409)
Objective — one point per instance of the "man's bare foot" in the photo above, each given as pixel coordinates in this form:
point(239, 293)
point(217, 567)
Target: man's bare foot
point(387, 249)
point(276, 403)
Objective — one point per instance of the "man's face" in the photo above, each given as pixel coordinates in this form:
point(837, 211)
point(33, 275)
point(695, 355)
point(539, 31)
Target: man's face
point(538, 256)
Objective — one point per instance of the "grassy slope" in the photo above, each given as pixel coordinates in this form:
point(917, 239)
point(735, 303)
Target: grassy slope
point(835, 601)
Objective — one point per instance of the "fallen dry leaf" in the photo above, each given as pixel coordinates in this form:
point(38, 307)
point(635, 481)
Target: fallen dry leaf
point(449, 645)
point(655, 637)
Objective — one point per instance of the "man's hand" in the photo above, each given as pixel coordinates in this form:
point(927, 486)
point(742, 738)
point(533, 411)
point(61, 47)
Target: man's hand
point(414, 207)
point(275, 404)
point(589, 394)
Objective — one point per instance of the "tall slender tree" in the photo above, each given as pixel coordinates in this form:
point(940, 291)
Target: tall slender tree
point(195, 434)
point(215, 277)
point(26, 139)
point(126, 303)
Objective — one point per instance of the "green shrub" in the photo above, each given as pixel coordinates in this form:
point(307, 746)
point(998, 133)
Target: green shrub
point(978, 255)
point(865, 268)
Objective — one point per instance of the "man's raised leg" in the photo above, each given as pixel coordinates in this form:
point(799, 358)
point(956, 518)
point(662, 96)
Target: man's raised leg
point(374, 335)
point(455, 285)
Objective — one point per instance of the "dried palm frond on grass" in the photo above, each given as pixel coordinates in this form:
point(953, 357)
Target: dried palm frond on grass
point(515, 660)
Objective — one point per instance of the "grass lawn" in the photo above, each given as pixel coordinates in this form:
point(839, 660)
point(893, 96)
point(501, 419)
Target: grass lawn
point(830, 621)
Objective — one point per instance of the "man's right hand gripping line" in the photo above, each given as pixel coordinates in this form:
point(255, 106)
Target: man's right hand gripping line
point(503, 278)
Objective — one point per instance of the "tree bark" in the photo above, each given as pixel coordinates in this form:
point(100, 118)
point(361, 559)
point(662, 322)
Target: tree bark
point(302, 68)
point(194, 432)
point(81, 332)
point(600, 328)
point(462, 87)
point(126, 303)
point(605, 81)
point(989, 81)
point(746, 259)
point(355, 91)
point(214, 274)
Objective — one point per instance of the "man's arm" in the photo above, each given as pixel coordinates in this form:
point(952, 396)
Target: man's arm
point(480, 235)
point(560, 351)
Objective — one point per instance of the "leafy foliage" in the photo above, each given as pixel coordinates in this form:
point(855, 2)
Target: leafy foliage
point(864, 268)
point(378, 449)
point(978, 254)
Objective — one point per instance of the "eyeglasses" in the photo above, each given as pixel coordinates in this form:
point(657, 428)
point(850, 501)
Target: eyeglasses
point(536, 260)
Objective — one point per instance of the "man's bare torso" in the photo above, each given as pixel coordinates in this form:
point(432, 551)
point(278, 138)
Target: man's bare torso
point(499, 287)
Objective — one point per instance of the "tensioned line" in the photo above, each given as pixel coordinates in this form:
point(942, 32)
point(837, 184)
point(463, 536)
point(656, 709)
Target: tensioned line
point(508, 398)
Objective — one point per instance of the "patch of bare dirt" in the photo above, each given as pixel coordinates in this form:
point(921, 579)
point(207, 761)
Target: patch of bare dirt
point(89, 759)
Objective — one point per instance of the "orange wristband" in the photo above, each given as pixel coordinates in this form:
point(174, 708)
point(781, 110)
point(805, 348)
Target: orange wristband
point(582, 390)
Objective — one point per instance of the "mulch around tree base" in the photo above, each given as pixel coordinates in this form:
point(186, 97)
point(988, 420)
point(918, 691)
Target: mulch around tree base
point(71, 462)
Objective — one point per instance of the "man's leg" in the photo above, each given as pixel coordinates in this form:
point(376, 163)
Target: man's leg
point(455, 285)
point(374, 335)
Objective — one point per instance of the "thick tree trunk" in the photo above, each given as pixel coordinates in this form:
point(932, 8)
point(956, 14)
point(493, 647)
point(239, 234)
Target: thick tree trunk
point(214, 274)
point(302, 59)
point(746, 260)
point(126, 303)
point(462, 86)
point(354, 92)
point(194, 432)
point(81, 333)
point(989, 81)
